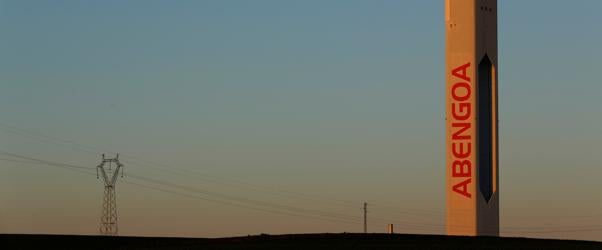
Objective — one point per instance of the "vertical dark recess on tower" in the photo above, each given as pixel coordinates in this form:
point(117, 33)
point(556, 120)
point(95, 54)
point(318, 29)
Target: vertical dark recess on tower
point(484, 129)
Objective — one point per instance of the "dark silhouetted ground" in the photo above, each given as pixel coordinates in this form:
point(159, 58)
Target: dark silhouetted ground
point(285, 242)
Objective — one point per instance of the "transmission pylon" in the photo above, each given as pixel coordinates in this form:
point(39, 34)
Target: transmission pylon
point(109, 169)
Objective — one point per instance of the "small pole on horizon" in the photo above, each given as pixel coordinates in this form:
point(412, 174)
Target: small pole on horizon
point(365, 217)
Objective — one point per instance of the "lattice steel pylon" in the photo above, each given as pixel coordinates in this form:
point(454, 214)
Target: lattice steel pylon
point(108, 219)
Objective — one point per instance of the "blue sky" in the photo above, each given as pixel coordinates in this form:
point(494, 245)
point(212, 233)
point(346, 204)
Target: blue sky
point(342, 100)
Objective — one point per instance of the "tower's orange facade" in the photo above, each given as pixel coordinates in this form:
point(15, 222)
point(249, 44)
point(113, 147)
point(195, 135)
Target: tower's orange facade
point(471, 117)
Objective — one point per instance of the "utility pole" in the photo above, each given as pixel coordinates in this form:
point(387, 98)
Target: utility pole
point(108, 219)
point(365, 217)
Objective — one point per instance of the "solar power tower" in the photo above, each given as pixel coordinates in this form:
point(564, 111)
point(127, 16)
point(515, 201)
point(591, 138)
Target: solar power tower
point(472, 117)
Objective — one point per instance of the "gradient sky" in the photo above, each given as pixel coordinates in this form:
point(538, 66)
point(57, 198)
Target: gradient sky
point(340, 102)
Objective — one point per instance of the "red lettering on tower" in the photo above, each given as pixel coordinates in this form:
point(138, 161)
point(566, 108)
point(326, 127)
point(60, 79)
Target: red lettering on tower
point(461, 123)
point(464, 76)
point(462, 188)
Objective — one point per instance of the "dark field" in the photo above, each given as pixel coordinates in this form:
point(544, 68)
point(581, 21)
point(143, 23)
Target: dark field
point(294, 241)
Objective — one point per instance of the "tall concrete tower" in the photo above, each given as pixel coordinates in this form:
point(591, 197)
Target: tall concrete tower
point(471, 117)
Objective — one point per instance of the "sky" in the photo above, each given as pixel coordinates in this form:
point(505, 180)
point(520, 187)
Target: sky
point(248, 117)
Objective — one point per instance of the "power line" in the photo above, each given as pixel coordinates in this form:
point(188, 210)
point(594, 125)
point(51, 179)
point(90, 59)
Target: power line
point(243, 200)
point(184, 194)
point(557, 231)
point(50, 139)
point(316, 214)
point(42, 161)
point(195, 190)
point(171, 169)
point(410, 225)
point(235, 204)
point(248, 186)
point(178, 171)
point(138, 161)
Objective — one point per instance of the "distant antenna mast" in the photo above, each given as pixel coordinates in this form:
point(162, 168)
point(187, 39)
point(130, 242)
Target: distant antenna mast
point(108, 219)
point(365, 217)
